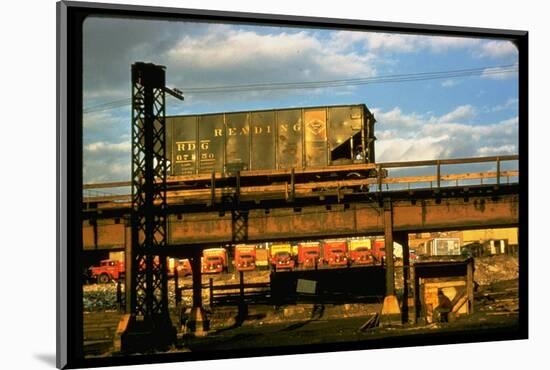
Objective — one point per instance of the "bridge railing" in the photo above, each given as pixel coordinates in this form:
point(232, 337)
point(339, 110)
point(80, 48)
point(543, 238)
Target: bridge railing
point(448, 172)
point(431, 174)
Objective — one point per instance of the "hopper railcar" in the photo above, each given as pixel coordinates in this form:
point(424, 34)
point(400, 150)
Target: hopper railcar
point(267, 141)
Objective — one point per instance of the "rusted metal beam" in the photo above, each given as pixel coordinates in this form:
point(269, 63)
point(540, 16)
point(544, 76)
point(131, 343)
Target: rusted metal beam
point(453, 213)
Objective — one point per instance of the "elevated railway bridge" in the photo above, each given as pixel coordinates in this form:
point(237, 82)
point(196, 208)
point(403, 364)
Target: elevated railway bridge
point(263, 206)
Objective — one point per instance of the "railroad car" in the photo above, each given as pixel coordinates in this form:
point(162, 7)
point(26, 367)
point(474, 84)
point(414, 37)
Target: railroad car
point(293, 138)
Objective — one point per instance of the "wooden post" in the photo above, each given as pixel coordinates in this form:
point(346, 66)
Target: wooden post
point(403, 239)
point(293, 185)
point(119, 293)
point(241, 287)
point(391, 312)
point(438, 175)
point(128, 286)
point(176, 285)
point(211, 291)
point(388, 246)
point(415, 290)
point(498, 171)
point(470, 285)
point(197, 278)
point(243, 310)
point(213, 188)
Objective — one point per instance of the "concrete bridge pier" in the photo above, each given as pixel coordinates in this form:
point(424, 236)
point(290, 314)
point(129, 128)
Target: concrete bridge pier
point(391, 313)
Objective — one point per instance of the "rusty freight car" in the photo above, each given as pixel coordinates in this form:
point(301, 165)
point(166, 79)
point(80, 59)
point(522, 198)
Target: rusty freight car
point(276, 139)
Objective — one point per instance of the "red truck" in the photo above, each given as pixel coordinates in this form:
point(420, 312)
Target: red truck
point(214, 260)
point(360, 252)
point(183, 266)
point(245, 257)
point(335, 253)
point(378, 250)
point(281, 257)
point(309, 255)
point(106, 271)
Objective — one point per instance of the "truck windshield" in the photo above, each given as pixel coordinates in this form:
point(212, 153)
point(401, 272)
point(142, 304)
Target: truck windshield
point(213, 258)
point(282, 254)
point(337, 251)
point(312, 253)
point(246, 256)
point(362, 249)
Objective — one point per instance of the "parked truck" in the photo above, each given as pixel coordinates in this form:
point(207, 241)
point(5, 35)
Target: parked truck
point(309, 255)
point(360, 252)
point(106, 271)
point(183, 266)
point(214, 260)
point(335, 253)
point(281, 257)
point(442, 247)
point(378, 251)
point(262, 257)
point(245, 257)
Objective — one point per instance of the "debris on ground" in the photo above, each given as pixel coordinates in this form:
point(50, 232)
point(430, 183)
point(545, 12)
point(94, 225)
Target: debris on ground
point(372, 322)
point(492, 269)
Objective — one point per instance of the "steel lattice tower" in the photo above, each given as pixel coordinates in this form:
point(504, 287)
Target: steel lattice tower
point(148, 288)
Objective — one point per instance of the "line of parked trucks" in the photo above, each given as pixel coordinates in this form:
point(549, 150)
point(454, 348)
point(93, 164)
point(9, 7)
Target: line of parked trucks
point(282, 257)
point(277, 256)
point(304, 255)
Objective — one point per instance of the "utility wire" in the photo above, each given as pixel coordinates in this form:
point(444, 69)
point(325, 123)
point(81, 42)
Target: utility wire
point(412, 77)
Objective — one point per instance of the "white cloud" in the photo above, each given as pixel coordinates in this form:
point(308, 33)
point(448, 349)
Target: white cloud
point(395, 118)
point(408, 149)
point(401, 43)
point(445, 136)
point(499, 73)
point(510, 103)
point(498, 49)
point(249, 56)
point(501, 150)
point(449, 83)
point(105, 147)
point(463, 112)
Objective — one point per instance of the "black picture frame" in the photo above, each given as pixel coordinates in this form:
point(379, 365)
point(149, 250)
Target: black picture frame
point(70, 17)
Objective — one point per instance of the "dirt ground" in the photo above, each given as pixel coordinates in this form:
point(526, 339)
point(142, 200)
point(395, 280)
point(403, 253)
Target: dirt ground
point(496, 306)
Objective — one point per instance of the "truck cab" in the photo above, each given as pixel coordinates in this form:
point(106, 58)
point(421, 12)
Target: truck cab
point(245, 257)
point(214, 260)
point(309, 255)
point(335, 253)
point(281, 257)
point(361, 252)
point(106, 271)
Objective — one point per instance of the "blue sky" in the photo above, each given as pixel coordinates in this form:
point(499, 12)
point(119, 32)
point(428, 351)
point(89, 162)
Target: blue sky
point(439, 118)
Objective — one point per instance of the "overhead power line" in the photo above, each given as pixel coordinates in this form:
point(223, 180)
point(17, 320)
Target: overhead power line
point(410, 77)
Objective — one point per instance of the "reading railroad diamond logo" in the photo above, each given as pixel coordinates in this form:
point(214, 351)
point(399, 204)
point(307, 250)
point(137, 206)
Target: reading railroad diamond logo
point(315, 126)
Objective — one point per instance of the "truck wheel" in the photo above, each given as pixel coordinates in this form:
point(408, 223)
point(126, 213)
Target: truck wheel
point(103, 278)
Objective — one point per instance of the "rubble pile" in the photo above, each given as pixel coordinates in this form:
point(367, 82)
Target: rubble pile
point(492, 269)
point(99, 297)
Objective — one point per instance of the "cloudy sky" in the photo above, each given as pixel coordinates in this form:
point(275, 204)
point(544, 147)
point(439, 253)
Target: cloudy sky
point(449, 117)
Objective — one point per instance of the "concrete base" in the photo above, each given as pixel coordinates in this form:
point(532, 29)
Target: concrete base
point(391, 312)
point(198, 323)
point(121, 328)
point(142, 336)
